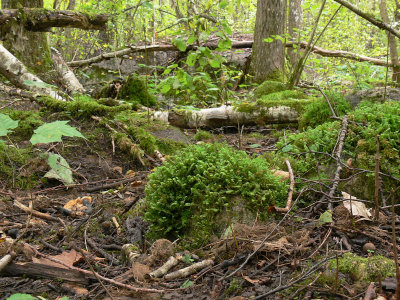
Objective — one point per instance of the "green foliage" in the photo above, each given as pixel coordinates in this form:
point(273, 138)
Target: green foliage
point(368, 269)
point(27, 122)
point(269, 87)
point(21, 297)
point(190, 190)
point(202, 135)
point(83, 106)
point(60, 169)
point(6, 124)
point(318, 112)
point(135, 90)
point(52, 132)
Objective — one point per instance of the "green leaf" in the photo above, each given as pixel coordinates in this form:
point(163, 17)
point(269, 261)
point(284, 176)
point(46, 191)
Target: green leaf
point(6, 123)
point(148, 4)
point(180, 44)
point(255, 146)
point(165, 88)
point(21, 297)
point(52, 132)
point(191, 60)
point(214, 63)
point(187, 284)
point(325, 218)
point(287, 148)
point(191, 39)
point(224, 44)
point(269, 40)
point(223, 4)
point(60, 169)
point(39, 84)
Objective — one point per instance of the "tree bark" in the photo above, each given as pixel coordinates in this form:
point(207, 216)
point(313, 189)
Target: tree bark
point(227, 116)
point(295, 24)
point(392, 42)
point(31, 48)
point(267, 58)
point(34, 19)
point(15, 71)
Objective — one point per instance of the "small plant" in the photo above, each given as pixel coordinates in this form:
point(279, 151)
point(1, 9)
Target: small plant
point(202, 135)
point(187, 193)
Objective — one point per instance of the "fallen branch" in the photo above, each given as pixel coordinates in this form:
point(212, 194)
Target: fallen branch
point(39, 19)
point(35, 213)
point(291, 188)
point(235, 45)
point(161, 271)
point(336, 179)
point(182, 273)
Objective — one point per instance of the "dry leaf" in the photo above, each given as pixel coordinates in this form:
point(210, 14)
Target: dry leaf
point(69, 258)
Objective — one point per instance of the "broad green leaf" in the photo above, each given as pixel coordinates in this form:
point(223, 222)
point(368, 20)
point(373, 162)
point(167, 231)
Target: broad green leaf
point(325, 218)
point(287, 148)
point(148, 4)
point(60, 169)
point(6, 123)
point(214, 63)
point(191, 39)
point(39, 84)
point(165, 88)
point(21, 297)
point(224, 44)
point(187, 284)
point(180, 44)
point(269, 40)
point(191, 60)
point(255, 146)
point(223, 4)
point(52, 132)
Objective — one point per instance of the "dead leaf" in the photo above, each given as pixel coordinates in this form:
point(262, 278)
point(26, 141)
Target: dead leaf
point(76, 289)
point(356, 208)
point(252, 281)
point(69, 258)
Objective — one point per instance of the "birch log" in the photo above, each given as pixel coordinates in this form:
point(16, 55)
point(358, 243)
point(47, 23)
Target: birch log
point(227, 116)
point(16, 72)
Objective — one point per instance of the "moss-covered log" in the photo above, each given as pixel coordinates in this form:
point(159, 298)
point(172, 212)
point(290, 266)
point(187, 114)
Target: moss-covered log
point(40, 19)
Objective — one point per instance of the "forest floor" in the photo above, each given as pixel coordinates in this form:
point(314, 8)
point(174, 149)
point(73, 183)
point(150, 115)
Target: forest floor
point(61, 250)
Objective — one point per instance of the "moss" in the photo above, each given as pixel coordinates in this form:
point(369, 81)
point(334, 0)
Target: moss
point(318, 111)
point(135, 90)
point(83, 107)
point(28, 121)
point(234, 288)
point(373, 268)
point(202, 135)
point(269, 87)
point(12, 159)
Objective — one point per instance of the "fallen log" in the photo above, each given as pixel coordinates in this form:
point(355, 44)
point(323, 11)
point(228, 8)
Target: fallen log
point(35, 270)
point(235, 45)
point(18, 74)
point(39, 19)
point(227, 116)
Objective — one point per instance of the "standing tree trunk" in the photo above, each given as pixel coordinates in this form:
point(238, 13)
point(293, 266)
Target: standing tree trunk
point(392, 43)
point(295, 24)
point(267, 58)
point(31, 48)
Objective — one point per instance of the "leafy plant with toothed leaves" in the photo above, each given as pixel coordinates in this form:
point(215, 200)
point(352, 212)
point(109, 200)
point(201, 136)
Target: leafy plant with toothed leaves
point(44, 134)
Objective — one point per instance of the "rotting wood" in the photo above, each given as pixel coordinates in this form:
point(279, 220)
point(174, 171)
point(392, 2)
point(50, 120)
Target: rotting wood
point(226, 116)
point(182, 273)
point(39, 19)
point(36, 270)
point(161, 271)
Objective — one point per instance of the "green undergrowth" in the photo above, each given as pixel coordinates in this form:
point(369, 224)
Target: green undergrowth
point(192, 190)
point(269, 87)
point(133, 90)
point(318, 112)
point(366, 123)
point(28, 121)
point(14, 166)
point(369, 269)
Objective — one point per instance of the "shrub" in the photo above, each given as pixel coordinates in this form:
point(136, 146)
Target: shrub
point(188, 192)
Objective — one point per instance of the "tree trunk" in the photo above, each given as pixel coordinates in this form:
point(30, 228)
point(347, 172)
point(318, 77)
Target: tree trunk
point(31, 48)
point(295, 25)
point(267, 58)
point(392, 43)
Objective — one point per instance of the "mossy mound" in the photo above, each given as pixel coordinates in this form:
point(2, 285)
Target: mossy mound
point(133, 90)
point(28, 121)
point(186, 195)
point(373, 268)
point(318, 111)
point(269, 87)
